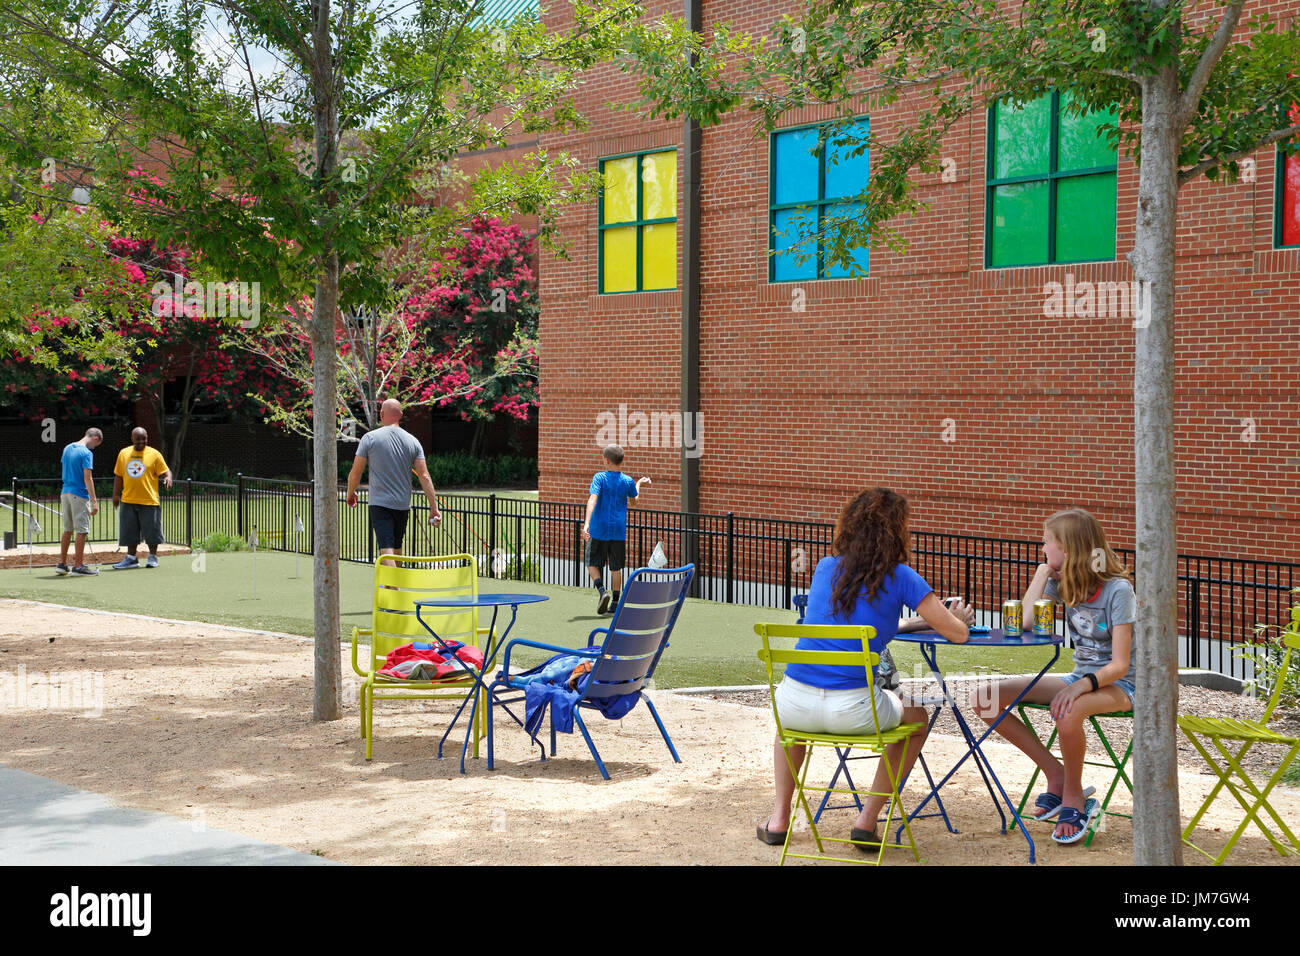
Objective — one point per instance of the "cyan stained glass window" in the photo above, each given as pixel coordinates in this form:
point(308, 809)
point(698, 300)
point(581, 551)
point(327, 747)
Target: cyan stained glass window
point(814, 169)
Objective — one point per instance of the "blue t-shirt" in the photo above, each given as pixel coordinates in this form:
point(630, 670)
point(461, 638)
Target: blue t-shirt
point(609, 517)
point(903, 587)
point(76, 457)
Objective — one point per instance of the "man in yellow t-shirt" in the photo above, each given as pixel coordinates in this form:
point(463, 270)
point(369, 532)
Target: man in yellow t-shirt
point(135, 493)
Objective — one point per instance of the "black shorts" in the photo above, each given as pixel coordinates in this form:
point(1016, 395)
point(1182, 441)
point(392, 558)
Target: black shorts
point(136, 523)
point(389, 525)
point(600, 553)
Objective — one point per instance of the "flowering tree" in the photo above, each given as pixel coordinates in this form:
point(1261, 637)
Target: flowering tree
point(463, 334)
point(175, 357)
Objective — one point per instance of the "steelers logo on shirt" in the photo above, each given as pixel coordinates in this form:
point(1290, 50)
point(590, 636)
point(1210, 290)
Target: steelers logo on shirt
point(134, 468)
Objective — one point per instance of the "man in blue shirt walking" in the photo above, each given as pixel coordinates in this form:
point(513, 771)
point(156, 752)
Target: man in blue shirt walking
point(78, 502)
point(606, 525)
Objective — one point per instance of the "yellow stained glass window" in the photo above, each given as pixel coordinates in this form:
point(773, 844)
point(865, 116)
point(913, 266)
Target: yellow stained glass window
point(620, 259)
point(638, 222)
point(620, 190)
point(659, 256)
point(659, 186)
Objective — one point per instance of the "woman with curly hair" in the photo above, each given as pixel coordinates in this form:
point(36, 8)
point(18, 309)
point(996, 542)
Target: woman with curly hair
point(866, 580)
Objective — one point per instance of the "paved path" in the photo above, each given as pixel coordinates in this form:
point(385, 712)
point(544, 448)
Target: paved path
point(44, 823)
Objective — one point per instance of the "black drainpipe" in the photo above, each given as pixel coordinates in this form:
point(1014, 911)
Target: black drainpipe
point(690, 398)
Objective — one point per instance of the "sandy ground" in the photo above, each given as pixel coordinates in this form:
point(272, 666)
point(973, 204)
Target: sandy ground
point(214, 726)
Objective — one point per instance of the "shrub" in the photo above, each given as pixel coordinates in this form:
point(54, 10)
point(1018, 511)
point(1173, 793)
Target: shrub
point(463, 470)
point(1266, 655)
point(220, 541)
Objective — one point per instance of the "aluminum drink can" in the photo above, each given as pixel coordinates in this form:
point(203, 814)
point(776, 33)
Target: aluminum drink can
point(1045, 617)
point(1013, 618)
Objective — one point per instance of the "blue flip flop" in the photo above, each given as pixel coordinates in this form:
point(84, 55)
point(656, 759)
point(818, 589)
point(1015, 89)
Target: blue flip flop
point(1050, 803)
point(1077, 818)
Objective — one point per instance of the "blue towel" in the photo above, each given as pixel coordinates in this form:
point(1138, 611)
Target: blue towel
point(548, 685)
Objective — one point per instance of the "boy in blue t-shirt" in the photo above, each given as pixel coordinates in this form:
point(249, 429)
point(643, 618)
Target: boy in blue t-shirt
point(606, 525)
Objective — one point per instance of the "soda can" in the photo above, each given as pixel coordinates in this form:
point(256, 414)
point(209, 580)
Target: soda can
point(1045, 617)
point(1013, 619)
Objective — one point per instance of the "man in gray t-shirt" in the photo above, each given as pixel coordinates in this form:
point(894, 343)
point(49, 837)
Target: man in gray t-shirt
point(393, 454)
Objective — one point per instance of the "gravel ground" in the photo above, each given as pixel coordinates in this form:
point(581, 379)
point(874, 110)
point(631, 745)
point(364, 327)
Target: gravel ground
point(1191, 700)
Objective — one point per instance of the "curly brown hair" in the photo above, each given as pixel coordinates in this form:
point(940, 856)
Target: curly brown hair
point(871, 539)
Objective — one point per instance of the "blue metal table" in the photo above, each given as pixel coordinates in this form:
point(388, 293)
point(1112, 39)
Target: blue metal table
point(496, 602)
point(929, 643)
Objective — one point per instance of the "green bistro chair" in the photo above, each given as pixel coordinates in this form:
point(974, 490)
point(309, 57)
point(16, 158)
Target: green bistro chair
point(1216, 730)
point(1114, 765)
point(877, 742)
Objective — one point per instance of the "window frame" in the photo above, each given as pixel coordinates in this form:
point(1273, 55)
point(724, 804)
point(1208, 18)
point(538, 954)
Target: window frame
point(1279, 190)
point(639, 224)
point(820, 203)
point(1052, 177)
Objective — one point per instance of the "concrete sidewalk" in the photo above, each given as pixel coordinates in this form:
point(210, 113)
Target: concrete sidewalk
point(44, 823)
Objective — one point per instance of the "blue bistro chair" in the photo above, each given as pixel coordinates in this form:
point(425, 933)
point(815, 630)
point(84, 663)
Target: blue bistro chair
point(622, 663)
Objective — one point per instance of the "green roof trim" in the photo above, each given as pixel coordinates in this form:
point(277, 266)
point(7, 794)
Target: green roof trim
point(506, 11)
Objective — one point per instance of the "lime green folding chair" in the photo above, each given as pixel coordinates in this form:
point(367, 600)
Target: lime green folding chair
point(400, 581)
point(877, 742)
point(1216, 730)
point(1114, 765)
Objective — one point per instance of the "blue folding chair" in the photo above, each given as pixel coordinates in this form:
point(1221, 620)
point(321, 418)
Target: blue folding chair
point(622, 664)
point(800, 601)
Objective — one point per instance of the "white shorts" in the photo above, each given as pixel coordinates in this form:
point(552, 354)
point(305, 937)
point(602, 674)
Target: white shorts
point(841, 711)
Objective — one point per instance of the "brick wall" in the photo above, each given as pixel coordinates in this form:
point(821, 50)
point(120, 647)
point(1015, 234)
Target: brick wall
point(800, 409)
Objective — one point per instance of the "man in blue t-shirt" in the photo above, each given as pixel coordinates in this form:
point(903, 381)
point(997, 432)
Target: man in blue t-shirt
point(606, 525)
point(78, 503)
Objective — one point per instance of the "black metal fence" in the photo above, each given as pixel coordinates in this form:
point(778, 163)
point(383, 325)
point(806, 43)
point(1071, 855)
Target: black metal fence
point(739, 559)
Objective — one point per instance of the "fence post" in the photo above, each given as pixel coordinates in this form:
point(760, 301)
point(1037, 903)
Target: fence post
point(239, 504)
point(492, 528)
point(731, 556)
point(519, 546)
point(1194, 623)
point(13, 488)
point(577, 551)
point(789, 561)
point(189, 512)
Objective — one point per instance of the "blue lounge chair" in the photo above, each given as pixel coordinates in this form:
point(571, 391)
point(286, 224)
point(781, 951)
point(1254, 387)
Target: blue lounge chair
point(634, 641)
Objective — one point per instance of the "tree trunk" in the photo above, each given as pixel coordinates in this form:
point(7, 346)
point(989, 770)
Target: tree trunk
point(327, 703)
point(1156, 822)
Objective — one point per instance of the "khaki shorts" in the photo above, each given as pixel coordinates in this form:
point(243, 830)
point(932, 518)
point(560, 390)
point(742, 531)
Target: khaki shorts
point(841, 711)
point(76, 514)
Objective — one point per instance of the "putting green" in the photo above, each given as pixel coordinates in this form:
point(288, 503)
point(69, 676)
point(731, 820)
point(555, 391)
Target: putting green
point(713, 644)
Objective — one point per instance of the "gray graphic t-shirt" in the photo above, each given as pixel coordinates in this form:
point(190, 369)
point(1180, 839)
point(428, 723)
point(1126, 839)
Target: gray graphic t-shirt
point(1092, 622)
point(390, 453)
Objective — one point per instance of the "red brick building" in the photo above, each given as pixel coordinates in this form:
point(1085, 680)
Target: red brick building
point(948, 379)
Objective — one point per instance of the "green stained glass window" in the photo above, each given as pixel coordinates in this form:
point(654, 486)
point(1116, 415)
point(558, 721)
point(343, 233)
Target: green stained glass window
point(1051, 185)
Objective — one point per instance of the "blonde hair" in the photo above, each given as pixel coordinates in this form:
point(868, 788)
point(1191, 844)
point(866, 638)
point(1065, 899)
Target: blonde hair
point(1089, 561)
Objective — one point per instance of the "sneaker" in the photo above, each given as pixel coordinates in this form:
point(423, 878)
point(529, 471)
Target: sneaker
point(127, 562)
point(602, 607)
point(62, 569)
point(152, 561)
point(84, 570)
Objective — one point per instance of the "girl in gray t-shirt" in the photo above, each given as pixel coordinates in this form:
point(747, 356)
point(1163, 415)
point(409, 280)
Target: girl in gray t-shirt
point(1082, 572)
